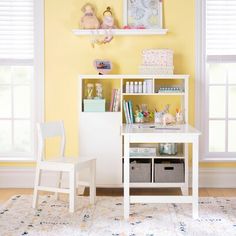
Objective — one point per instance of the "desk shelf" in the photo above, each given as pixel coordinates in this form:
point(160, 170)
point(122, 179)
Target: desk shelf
point(153, 94)
point(179, 156)
point(157, 185)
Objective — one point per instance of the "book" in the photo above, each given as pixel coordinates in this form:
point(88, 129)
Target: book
point(128, 114)
point(112, 100)
point(131, 111)
point(117, 101)
point(125, 111)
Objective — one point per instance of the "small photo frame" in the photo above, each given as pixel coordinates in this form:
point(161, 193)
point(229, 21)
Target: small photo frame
point(143, 14)
point(103, 66)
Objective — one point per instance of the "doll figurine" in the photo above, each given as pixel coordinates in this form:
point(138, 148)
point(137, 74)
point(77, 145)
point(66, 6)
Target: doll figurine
point(168, 119)
point(89, 20)
point(108, 21)
point(179, 116)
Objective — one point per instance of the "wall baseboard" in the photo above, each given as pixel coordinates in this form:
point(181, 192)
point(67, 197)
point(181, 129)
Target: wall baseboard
point(217, 177)
point(17, 177)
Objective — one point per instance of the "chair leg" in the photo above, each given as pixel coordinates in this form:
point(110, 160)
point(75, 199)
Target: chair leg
point(36, 184)
point(92, 187)
point(72, 180)
point(58, 185)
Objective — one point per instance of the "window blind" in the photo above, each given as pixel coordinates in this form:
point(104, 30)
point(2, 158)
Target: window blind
point(221, 27)
point(16, 29)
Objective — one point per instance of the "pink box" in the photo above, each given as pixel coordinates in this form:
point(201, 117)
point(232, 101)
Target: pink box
point(157, 57)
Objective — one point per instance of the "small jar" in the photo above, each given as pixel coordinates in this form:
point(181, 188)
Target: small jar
point(140, 87)
point(90, 88)
point(98, 90)
point(144, 87)
point(127, 87)
point(131, 87)
point(136, 87)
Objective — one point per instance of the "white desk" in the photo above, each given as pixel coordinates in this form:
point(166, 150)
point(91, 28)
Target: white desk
point(134, 133)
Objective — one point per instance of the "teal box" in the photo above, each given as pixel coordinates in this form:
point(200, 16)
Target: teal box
point(94, 105)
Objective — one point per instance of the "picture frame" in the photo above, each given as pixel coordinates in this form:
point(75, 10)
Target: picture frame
point(143, 14)
point(103, 66)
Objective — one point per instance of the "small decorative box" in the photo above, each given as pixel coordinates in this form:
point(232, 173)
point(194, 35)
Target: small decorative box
point(142, 152)
point(156, 70)
point(157, 57)
point(94, 105)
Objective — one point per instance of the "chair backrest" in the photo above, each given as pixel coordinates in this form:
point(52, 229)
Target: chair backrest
point(48, 130)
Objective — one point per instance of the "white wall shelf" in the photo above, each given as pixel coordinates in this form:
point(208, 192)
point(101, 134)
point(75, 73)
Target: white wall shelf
point(137, 32)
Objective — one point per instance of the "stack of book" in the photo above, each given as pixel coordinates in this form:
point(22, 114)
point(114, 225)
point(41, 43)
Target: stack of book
point(128, 110)
point(115, 100)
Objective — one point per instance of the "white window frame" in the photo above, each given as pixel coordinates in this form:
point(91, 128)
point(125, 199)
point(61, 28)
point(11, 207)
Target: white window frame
point(201, 90)
point(38, 83)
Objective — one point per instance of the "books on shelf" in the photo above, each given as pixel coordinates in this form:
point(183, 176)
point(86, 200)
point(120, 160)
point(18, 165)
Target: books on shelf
point(115, 100)
point(128, 110)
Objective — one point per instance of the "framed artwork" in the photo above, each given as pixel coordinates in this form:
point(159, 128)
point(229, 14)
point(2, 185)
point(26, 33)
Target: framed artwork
point(143, 14)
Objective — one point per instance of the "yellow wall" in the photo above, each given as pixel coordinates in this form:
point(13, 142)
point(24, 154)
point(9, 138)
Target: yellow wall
point(66, 55)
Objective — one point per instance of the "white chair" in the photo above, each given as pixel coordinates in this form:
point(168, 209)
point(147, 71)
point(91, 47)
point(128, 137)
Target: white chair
point(61, 164)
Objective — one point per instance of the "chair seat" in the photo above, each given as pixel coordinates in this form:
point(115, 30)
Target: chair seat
point(65, 163)
point(71, 160)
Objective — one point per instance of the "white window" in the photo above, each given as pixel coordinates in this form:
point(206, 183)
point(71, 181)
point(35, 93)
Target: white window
point(21, 76)
point(216, 78)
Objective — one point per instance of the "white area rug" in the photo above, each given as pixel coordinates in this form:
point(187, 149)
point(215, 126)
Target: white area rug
point(217, 218)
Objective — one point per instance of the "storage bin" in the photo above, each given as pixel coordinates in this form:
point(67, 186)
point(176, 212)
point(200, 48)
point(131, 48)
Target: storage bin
point(169, 172)
point(140, 171)
point(94, 105)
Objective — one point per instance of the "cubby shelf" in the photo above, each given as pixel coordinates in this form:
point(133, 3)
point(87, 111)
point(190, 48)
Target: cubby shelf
point(153, 94)
point(156, 185)
point(157, 157)
point(132, 76)
point(141, 32)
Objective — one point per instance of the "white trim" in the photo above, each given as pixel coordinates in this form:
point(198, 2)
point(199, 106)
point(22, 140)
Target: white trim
point(201, 90)
point(39, 69)
point(199, 68)
point(17, 177)
point(217, 177)
point(221, 58)
point(25, 178)
point(37, 87)
point(16, 62)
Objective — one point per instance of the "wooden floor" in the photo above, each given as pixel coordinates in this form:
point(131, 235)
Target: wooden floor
point(5, 194)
